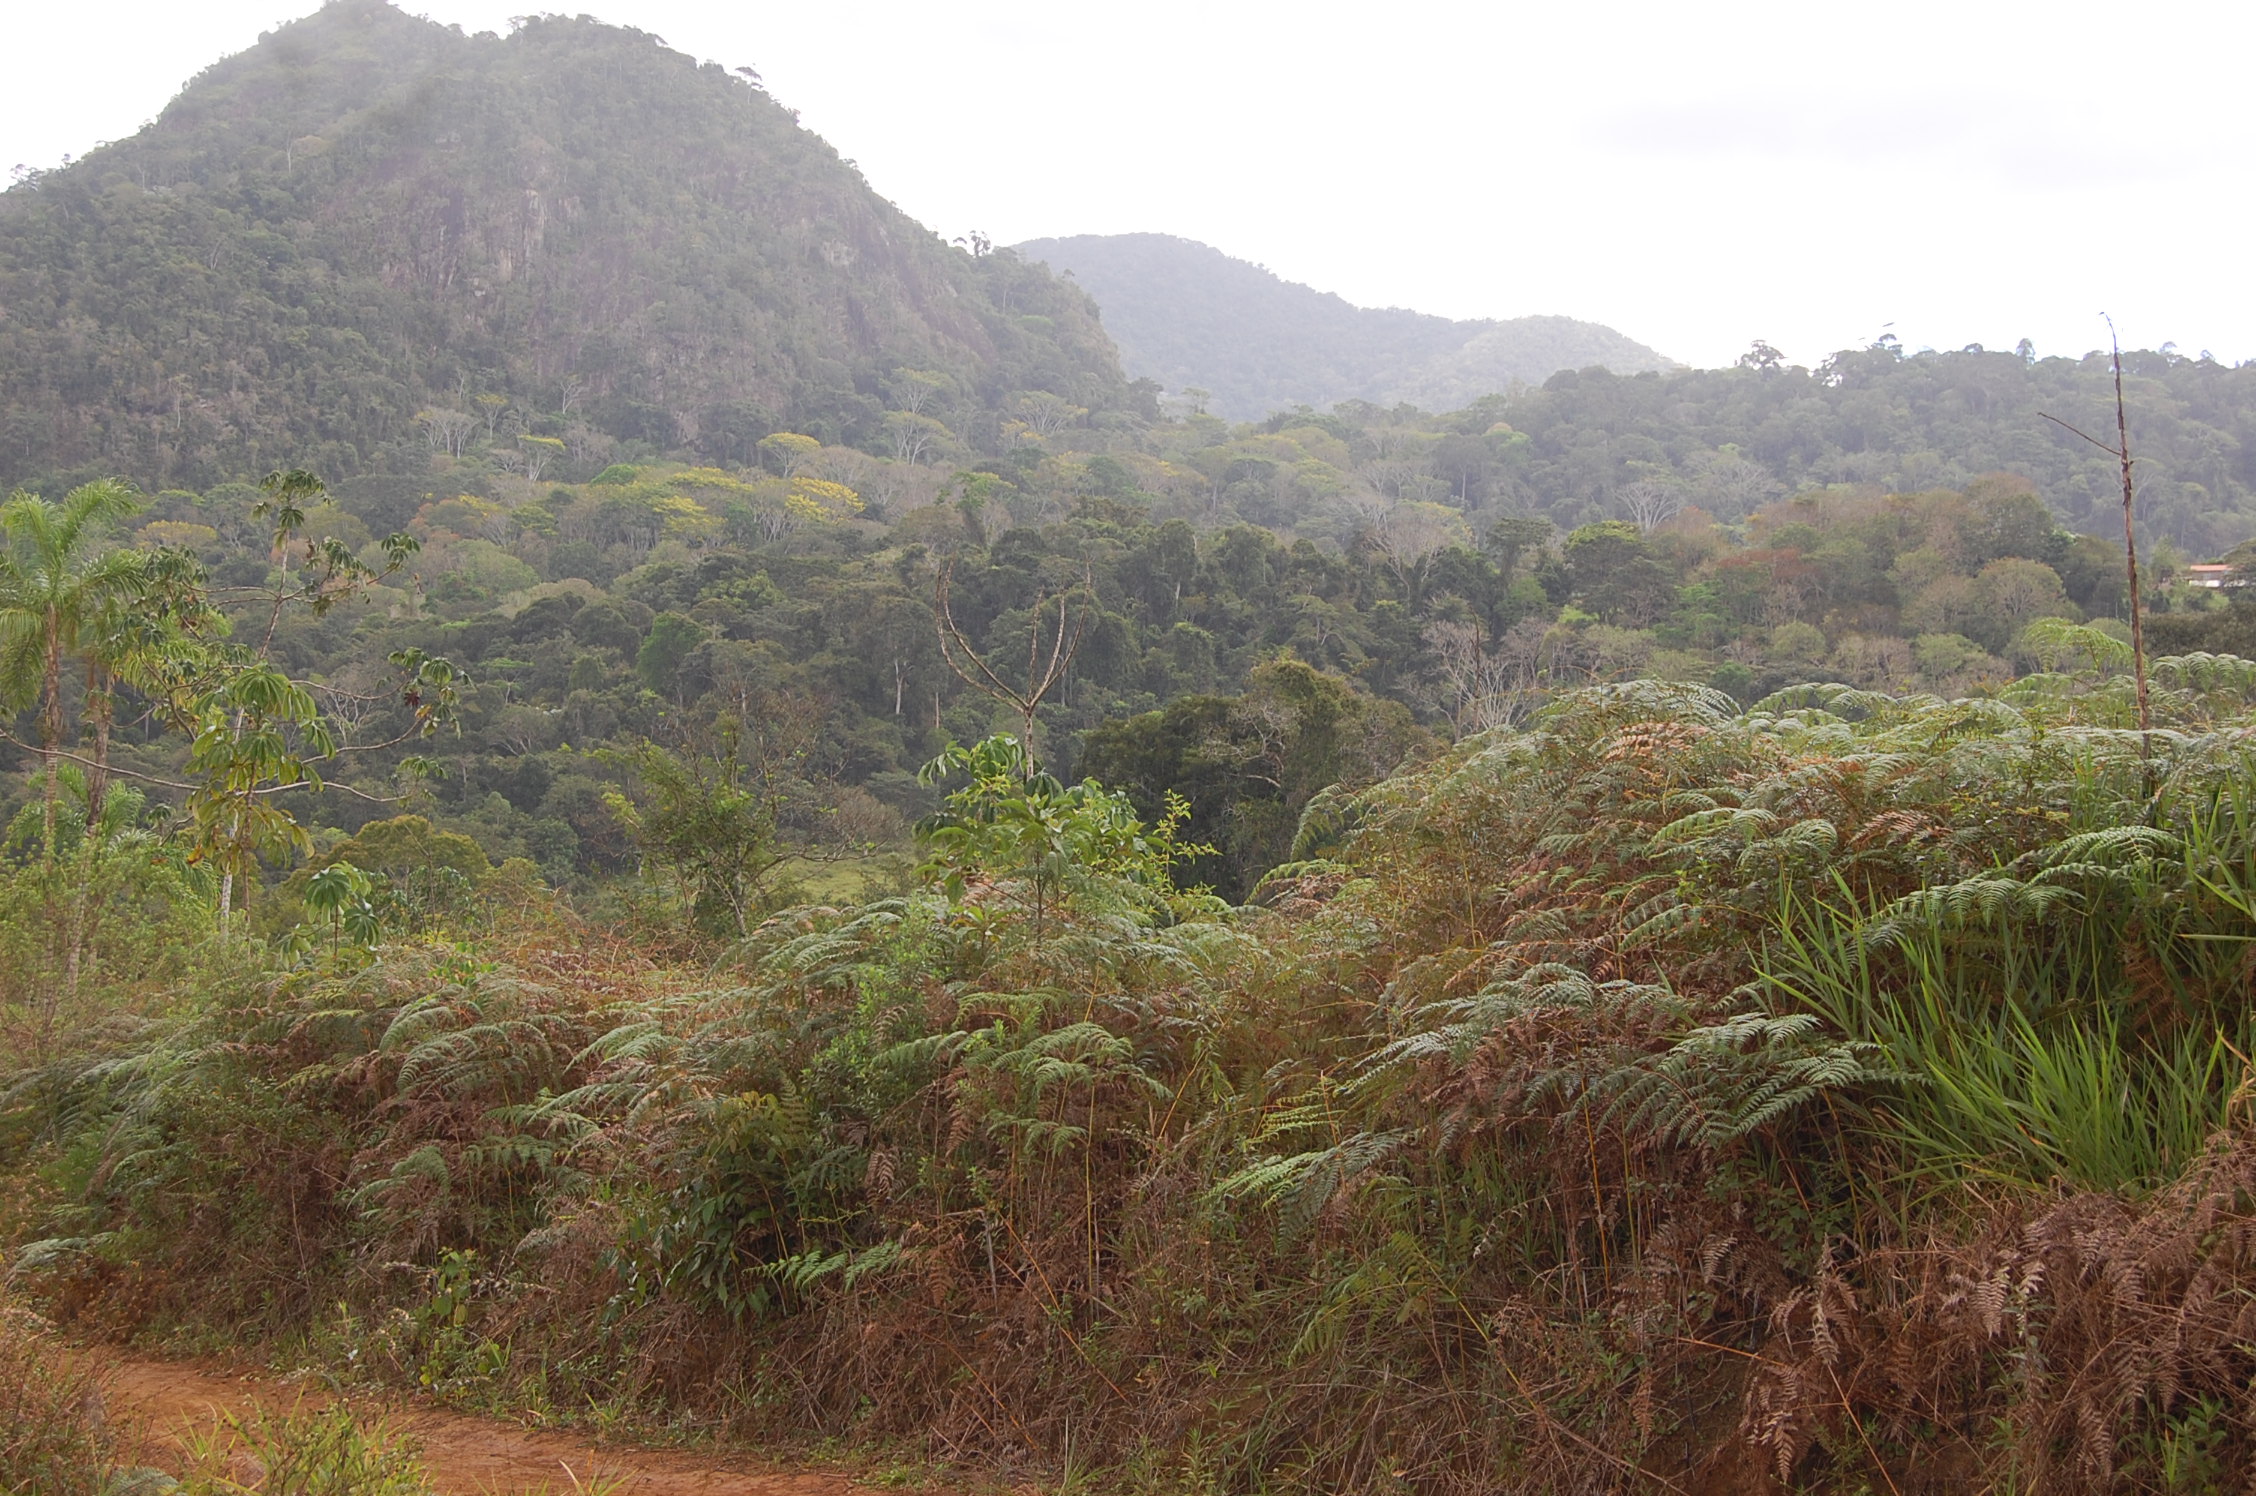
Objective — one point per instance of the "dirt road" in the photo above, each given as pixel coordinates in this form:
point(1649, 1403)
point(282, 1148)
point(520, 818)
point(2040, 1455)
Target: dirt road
point(466, 1456)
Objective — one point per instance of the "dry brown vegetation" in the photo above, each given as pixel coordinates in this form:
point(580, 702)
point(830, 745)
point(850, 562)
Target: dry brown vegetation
point(1845, 1093)
point(55, 1439)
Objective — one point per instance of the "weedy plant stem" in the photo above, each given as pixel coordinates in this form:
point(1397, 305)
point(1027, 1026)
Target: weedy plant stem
point(2121, 451)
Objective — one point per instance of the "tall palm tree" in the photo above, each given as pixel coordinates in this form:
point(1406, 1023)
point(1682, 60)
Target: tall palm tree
point(57, 582)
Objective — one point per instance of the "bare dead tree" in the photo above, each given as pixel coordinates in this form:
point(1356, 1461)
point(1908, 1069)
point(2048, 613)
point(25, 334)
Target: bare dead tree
point(355, 698)
point(1482, 684)
point(1650, 503)
point(2121, 451)
point(1043, 674)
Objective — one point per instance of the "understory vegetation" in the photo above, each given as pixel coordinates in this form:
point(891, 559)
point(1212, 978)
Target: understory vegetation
point(51, 1438)
point(1846, 1091)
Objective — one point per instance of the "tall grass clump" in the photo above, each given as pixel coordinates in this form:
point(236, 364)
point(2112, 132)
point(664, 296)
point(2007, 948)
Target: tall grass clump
point(2026, 1060)
point(55, 1436)
point(300, 1452)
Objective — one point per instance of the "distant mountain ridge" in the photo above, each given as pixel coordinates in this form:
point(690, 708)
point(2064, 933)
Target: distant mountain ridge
point(368, 216)
point(1188, 315)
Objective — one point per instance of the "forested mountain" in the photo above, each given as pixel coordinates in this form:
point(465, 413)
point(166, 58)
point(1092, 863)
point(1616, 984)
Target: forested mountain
point(1192, 317)
point(1597, 444)
point(369, 235)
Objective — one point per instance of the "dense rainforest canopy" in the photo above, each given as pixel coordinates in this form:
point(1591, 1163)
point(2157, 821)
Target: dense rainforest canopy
point(1261, 611)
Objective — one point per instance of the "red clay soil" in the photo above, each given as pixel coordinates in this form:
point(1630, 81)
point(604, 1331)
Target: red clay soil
point(466, 1456)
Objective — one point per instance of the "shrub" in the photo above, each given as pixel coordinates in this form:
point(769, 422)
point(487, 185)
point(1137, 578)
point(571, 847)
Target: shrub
point(316, 1452)
point(55, 1438)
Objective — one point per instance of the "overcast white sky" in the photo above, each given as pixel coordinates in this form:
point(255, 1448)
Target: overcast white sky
point(1695, 175)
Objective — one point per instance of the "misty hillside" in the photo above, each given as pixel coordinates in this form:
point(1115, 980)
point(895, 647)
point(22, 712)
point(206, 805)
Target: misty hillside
point(1192, 317)
point(367, 216)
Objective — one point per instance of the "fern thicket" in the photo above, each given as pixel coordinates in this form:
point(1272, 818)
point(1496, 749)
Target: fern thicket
point(1657, 1091)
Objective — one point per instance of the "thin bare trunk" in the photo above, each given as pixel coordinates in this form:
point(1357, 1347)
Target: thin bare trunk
point(75, 927)
point(2130, 557)
point(97, 795)
point(100, 708)
point(51, 723)
point(235, 836)
point(2120, 450)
